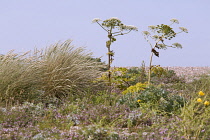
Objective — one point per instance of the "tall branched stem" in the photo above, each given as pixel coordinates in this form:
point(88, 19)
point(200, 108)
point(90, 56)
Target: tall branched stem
point(109, 56)
point(150, 63)
point(150, 68)
point(160, 33)
point(109, 67)
point(109, 26)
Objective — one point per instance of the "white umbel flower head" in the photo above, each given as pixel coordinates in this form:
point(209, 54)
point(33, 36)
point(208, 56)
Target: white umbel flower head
point(183, 29)
point(177, 45)
point(152, 27)
point(156, 37)
point(174, 20)
point(146, 33)
point(114, 18)
point(162, 46)
point(96, 20)
point(131, 27)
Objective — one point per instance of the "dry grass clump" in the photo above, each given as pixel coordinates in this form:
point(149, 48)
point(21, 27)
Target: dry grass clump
point(67, 69)
point(59, 70)
point(18, 76)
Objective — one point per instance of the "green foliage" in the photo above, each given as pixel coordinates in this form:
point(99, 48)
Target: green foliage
point(166, 30)
point(122, 77)
point(158, 71)
point(195, 120)
point(172, 104)
point(137, 88)
point(103, 98)
point(161, 75)
point(161, 32)
point(156, 98)
point(198, 84)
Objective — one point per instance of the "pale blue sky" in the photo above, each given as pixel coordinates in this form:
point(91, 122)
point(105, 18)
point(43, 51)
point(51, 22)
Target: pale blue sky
point(26, 24)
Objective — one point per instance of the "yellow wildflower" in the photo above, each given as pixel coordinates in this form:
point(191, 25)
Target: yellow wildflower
point(138, 101)
point(199, 100)
point(135, 89)
point(206, 103)
point(124, 92)
point(201, 93)
point(131, 89)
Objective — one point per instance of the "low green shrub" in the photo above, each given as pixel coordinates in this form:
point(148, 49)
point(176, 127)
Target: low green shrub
point(165, 76)
point(122, 78)
point(155, 97)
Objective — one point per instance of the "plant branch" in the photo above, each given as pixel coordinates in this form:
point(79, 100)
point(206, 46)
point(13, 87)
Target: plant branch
point(179, 32)
point(148, 41)
point(117, 32)
point(123, 33)
point(102, 27)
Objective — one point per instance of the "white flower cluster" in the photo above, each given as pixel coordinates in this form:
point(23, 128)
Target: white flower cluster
point(162, 46)
point(96, 20)
point(131, 27)
point(155, 37)
point(146, 33)
point(174, 20)
point(128, 27)
point(114, 18)
point(183, 29)
point(152, 27)
point(177, 45)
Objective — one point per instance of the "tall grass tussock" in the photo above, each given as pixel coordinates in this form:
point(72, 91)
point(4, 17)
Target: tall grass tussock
point(57, 71)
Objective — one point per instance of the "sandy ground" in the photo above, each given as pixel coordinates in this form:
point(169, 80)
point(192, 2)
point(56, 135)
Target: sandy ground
point(190, 71)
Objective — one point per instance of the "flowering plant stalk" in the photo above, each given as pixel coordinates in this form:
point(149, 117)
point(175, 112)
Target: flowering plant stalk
point(160, 33)
point(114, 27)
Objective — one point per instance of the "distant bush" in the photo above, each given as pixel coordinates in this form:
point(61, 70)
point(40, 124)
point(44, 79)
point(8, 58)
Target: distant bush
point(168, 76)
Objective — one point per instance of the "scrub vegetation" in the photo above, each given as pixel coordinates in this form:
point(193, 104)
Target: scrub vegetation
point(61, 92)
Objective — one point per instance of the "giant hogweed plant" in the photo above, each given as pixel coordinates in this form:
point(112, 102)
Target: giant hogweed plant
point(114, 27)
point(158, 34)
